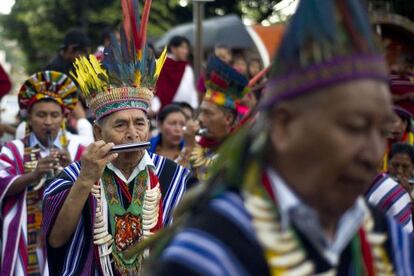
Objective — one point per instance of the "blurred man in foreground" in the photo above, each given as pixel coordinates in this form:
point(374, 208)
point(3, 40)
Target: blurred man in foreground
point(285, 196)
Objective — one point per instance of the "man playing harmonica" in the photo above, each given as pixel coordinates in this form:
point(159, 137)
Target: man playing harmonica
point(25, 164)
point(109, 202)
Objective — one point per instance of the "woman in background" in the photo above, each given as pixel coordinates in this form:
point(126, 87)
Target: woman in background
point(169, 142)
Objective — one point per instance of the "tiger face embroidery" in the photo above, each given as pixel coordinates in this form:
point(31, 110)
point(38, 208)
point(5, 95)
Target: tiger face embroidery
point(128, 231)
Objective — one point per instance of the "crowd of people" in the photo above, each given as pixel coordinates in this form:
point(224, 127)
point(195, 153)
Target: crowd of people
point(123, 163)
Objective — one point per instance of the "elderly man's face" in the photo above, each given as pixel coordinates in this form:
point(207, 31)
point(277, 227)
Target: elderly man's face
point(124, 127)
point(333, 141)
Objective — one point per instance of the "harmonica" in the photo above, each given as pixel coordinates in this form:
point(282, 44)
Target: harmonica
point(130, 147)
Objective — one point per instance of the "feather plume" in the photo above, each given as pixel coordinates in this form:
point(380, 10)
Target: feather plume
point(127, 62)
point(160, 62)
point(144, 22)
point(133, 22)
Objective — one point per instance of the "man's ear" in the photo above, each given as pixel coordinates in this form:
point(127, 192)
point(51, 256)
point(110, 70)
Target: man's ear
point(97, 132)
point(230, 118)
point(282, 124)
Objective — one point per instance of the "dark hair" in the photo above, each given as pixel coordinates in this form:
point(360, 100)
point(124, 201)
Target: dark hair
point(75, 37)
point(184, 105)
point(221, 45)
point(255, 59)
point(402, 148)
point(167, 110)
point(176, 41)
point(240, 57)
point(106, 34)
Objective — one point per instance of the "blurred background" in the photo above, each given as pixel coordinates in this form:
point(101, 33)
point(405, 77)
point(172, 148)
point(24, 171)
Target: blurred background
point(31, 31)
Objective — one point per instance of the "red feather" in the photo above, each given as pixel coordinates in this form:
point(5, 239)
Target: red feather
point(127, 22)
point(257, 77)
point(133, 22)
point(144, 23)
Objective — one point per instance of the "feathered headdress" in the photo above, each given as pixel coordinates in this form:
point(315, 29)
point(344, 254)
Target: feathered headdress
point(129, 71)
point(325, 44)
point(224, 84)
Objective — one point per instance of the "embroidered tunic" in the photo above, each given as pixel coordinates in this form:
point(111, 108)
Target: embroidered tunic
point(22, 248)
point(81, 256)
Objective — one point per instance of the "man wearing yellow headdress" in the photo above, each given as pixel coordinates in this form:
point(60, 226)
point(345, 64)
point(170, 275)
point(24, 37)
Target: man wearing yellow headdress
point(98, 208)
point(25, 164)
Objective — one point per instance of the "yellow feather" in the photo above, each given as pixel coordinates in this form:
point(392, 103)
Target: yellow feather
point(78, 77)
point(160, 63)
point(97, 66)
point(138, 76)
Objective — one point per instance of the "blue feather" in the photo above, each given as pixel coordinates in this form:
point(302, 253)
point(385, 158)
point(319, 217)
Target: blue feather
point(360, 22)
point(135, 4)
point(143, 64)
point(124, 47)
point(314, 21)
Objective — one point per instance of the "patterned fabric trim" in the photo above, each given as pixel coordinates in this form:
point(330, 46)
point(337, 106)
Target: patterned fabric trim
point(219, 98)
point(315, 77)
point(119, 105)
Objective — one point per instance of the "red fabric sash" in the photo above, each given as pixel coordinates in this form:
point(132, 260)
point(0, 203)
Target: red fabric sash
point(169, 80)
point(208, 143)
point(124, 188)
point(153, 182)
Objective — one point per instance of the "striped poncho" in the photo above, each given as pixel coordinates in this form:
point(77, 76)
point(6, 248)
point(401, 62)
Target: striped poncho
point(79, 255)
point(391, 198)
point(15, 209)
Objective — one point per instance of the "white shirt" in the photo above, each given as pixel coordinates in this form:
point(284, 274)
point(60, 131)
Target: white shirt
point(145, 161)
point(348, 225)
point(186, 91)
point(44, 151)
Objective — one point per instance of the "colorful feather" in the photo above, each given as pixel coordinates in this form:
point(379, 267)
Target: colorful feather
point(144, 22)
point(134, 28)
point(127, 63)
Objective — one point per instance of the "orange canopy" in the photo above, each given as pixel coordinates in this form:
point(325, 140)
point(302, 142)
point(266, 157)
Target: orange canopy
point(271, 36)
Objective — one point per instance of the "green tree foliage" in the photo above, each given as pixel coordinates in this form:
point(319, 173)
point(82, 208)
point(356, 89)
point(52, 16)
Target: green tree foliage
point(40, 25)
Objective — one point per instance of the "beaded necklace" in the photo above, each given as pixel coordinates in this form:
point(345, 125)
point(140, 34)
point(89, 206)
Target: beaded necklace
point(130, 225)
point(34, 208)
point(285, 253)
point(201, 158)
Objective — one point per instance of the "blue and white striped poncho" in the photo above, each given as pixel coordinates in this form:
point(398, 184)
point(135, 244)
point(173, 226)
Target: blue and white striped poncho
point(77, 256)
